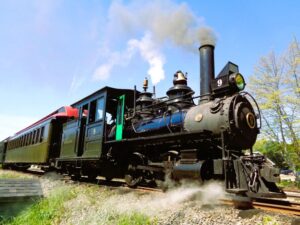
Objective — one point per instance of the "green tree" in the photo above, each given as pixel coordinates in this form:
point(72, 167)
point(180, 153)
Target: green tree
point(276, 86)
point(272, 150)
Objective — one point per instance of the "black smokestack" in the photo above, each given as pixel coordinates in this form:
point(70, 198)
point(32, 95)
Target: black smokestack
point(207, 71)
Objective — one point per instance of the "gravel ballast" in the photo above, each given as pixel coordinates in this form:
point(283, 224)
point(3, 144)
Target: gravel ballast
point(184, 205)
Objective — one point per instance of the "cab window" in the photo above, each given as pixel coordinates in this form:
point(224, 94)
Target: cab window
point(96, 110)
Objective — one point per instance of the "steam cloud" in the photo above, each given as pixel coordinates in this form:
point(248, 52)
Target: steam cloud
point(160, 22)
point(152, 55)
point(179, 201)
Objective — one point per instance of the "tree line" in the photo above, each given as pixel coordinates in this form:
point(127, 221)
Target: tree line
point(275, 84)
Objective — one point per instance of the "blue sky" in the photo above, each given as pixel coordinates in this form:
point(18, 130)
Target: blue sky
point(55, 52)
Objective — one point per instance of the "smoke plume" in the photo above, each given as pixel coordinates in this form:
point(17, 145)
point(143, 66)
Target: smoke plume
point(156, 23)
point(150, 52)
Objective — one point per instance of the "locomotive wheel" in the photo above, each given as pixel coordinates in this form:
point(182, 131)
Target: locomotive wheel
point(5, 166)
point(92, 177)
point(75, 177)
point(75, 174)
point(134, 177)
point(133, 180)
point(21, 167)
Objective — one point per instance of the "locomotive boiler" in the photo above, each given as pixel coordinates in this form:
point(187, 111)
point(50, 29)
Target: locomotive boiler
point(133, 135)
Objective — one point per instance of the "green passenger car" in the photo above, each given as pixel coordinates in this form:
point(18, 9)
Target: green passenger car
point(38, 143)
point(3, 145)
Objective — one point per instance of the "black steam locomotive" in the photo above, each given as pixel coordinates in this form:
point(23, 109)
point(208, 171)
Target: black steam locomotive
point(130, 134)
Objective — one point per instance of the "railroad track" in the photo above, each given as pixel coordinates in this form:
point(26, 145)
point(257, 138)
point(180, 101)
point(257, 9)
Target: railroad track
point(273, 205)
point(293, 194)
point(291, 209)
point(114, 184)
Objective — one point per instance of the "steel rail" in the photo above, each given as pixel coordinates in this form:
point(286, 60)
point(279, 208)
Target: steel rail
point(292, 209)
point(284, 207)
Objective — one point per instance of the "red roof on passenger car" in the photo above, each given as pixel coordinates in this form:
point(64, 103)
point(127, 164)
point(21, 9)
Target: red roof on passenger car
point(65, 111)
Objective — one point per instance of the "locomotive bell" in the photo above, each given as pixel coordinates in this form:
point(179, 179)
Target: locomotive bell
point(180, 95)
point(179, 78)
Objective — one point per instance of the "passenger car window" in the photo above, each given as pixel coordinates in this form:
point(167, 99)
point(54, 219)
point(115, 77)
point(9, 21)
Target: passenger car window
point(42, 134)
point(37, 135)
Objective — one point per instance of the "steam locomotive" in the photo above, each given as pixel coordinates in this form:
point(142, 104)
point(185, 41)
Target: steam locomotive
point(125, 133)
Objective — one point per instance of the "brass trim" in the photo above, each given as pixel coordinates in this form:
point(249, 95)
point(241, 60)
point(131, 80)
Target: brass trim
point(198, 117)
point(250, 118)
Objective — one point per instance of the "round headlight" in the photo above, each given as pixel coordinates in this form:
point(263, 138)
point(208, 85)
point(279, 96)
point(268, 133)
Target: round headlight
point(239, 81)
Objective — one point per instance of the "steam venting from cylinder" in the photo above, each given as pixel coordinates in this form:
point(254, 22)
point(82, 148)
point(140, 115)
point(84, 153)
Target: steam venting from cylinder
point(207, 71)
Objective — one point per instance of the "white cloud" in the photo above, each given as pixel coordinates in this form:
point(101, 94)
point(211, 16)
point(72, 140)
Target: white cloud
point(11, 124)
point(150, 52)
point(103, 71)
point(77, 81)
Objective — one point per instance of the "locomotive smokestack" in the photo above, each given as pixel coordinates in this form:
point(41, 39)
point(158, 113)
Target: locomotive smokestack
point(207, 71)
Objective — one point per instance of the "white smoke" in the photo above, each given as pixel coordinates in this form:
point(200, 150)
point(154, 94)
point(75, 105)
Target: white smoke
point(113, 59)
point(206, 36)
point(103, 206)
point(11, 123)
point(150, 52)
point(159, 23)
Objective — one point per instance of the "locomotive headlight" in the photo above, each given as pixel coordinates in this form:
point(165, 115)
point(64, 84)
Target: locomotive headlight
point(237, 80)
point(228, 84)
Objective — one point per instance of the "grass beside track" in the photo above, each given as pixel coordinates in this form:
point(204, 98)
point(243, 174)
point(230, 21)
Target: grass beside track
point(10, 174)
point(67, 203)
point(288, 185)
point(46, 211)
point(85, 203)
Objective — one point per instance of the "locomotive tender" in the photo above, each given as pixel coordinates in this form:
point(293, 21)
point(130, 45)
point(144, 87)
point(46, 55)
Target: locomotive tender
point(123, 133)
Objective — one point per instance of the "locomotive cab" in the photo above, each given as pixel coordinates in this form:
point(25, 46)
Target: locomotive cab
point(101, 119)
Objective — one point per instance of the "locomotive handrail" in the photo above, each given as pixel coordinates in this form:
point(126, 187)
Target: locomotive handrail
point(206, 136)
point(255, 102)
point(169, 99)
point(165, 119)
